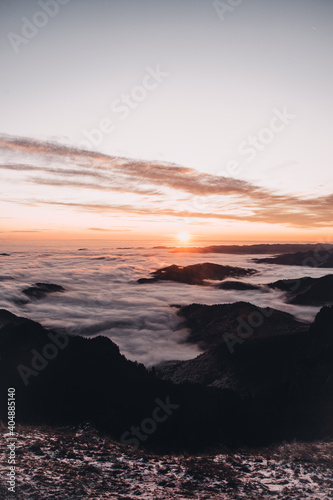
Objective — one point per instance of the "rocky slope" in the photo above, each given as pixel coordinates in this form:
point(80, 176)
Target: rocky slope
point(266, 389)
point(63, 379)
point(287, 377)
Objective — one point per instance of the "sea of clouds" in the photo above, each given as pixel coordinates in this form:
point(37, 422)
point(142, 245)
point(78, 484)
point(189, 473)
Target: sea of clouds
point(103, 297)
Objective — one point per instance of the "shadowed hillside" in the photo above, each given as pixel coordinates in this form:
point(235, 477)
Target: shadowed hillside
point(268, 389)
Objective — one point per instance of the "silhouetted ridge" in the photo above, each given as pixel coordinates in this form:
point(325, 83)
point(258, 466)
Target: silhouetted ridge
point(269, 248)
point(270, 388)
point(197, 274)
point(41, 290)
point(322, 258)
point(210, 325)
point(307, 291)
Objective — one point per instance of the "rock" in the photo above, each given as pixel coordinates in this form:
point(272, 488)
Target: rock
point(244, 468)
point(36, 450)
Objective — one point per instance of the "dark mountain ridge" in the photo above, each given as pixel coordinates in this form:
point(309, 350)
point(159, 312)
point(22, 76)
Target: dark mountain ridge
point(321, 257)
point(307, 291)
point(280, 387)
point(262, 248)
point(197, 274)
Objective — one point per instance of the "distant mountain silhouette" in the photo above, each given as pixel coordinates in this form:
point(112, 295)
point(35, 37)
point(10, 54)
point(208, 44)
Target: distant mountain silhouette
point(269, 248)
point(307, 291)
point(41, 290)
point(321, 257)
point(196, 274)
point(237, 285)
point(211, 325)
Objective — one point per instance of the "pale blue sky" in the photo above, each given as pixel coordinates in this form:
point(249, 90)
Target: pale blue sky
point(225, 79)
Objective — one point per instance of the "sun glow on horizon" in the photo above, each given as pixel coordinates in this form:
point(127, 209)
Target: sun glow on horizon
point(183, 237)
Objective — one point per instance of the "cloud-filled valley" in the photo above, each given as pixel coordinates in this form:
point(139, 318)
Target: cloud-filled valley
point(102, 295)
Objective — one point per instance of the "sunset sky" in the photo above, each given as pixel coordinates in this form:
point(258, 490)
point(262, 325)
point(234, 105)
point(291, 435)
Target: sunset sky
point(146, 119)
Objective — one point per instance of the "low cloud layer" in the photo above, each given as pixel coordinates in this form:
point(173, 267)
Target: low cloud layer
point(103, 297)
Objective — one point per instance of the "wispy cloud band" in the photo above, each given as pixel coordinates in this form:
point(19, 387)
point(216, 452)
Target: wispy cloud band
point(156, 189)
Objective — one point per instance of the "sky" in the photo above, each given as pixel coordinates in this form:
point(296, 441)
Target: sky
point(152, 118)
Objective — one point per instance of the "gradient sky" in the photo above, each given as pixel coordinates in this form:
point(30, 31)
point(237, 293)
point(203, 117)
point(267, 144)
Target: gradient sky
point(227, 79)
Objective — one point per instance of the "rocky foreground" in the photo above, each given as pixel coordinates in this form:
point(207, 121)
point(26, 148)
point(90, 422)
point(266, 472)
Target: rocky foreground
point(68, 464)
point(250, 387)
point(184, 431)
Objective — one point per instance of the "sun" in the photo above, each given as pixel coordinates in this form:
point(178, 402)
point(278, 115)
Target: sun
point(183, 237)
